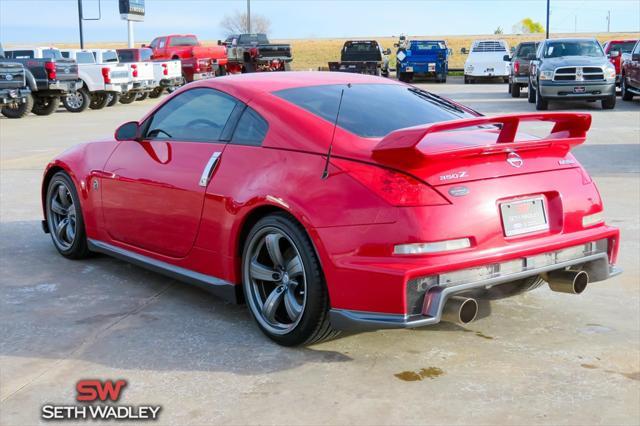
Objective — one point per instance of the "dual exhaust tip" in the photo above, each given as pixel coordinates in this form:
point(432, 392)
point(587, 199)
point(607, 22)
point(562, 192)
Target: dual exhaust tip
point(463, 310)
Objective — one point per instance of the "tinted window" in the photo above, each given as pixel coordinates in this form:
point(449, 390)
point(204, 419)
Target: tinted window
point(195, 115)
point(65, 54)
point(183, 41)
point(19, 54)
point(253, 39)
point(374, 110)
point(624, 47)
point(557, 49)
point(427, 45)
point(85, 58)
point(251, 129)
point(109, 56)
point(525, 50)
point(125, 56)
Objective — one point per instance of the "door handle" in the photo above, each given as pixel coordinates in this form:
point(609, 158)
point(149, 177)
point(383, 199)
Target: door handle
point(209, 168)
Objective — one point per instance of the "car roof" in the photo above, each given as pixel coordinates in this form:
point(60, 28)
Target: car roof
point(572, 39)
point(247, 86)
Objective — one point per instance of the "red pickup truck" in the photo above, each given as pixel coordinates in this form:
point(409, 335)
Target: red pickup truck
point(630, 77)
point(614, 49)
point(192, 53)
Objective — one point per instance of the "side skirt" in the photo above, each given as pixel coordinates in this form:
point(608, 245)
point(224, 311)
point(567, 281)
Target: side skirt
point(216, 286)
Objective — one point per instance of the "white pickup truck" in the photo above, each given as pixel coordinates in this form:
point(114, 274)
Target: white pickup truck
point(98, 80)
point(167, 76)
point(486, 60)
point(110, 56)
point(139, 62)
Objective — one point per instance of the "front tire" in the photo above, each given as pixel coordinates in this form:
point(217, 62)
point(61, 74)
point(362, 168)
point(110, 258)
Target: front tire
point(541, 103)
point(64, 217)
point(77, 101)
point(531, 94)
point(20, 110)
point(626, 94)
point(283, 283)
point(45, 105)
point(609, 103)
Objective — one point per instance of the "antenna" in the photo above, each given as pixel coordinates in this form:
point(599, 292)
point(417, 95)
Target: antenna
point(325, 172)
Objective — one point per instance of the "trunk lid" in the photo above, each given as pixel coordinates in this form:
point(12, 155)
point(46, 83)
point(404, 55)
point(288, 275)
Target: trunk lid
point(482, 148)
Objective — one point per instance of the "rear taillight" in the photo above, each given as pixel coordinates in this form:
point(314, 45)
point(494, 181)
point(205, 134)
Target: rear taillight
point(197, 68)
point(253, 52)
point(106, 76)
point(165, 70)
point(134, 67)
point(396, 188)
point(516, 67)
point(50, 67)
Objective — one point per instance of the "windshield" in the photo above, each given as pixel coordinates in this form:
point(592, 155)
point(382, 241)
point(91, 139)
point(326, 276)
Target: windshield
point(427, 45)
point(557, 49)
point(374, 110)
point(624, 47)
point(183, 41)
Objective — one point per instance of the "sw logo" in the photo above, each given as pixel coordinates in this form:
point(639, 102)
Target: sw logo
point(97, 398)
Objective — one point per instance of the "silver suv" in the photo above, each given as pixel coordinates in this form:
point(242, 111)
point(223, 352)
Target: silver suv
point(571, 69)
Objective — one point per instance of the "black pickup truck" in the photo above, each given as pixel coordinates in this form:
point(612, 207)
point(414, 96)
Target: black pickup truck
point(49, 76)
point(363, 57)
point(15, 96)
point(254, 53)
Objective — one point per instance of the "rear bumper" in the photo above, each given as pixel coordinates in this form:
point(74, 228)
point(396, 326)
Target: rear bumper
point(171, 82)
point(596, 263)
point(520, 79)
point(203, 76)
point(8, 96)
point(558, 90)
point(65, 86)
point(118, 87)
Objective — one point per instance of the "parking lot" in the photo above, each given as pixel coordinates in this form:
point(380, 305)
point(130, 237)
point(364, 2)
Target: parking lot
point(541, 357)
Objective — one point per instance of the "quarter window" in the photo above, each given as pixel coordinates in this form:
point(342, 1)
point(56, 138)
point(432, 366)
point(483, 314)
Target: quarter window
point(251, 129)
point(198, 115)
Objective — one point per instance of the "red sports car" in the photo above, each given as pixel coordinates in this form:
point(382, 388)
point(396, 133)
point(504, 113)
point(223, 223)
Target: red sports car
point(331, 201)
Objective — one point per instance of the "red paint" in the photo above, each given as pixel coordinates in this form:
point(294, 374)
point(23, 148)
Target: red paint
point(610, 45)
point(149, 200)
point(91, 390)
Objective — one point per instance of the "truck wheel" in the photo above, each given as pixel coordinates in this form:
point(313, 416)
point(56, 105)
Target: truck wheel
point(128, 97)
point(444, 79)
point(626, 94)
point(248, 68)
point(45, 105)
point(112, 98)
point(20, 110)
point(77, 101)
point(99, 100)
point(609, 103)
point(156, 93)
point(531, 94)
point(541, 103)
point(142, 96)
point(515, 90)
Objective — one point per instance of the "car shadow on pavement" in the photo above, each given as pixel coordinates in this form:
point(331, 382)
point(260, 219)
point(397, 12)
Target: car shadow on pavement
point(109, 312)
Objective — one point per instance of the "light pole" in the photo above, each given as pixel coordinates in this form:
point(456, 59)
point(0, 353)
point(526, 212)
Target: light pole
point(548, 13)
point(249, 16)
point(80, 24)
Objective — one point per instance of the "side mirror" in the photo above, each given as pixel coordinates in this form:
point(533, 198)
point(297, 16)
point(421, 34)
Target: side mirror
point(506, 58)
point(219, 42)
point(614, 53)
point(387, 51)
point(129, 131)
point(635, 57)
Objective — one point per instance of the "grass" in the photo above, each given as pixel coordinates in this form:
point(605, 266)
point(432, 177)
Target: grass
point(311, 54)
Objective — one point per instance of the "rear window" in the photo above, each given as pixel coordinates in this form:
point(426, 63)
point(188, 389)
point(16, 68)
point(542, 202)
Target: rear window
point(427, 45)
point(253, 39)
point(374, 110)
point(361, 47)
point(51, 54)
point(489, 46)
point(145, 54)
point(624, 47)
point(126, 56)
point(183, 41)
point(109, 56)
point(526, 49)
point(85, 58)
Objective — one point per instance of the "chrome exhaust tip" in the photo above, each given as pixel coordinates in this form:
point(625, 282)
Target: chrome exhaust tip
point(461, 310)
point(572, 282)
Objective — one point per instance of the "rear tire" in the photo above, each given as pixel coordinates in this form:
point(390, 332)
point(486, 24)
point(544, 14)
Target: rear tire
point(515, 90)
point(64, 217)
point(77, 101)
point(285, 289)
point(112, 98)
point(128, 97)
point(609, 103)
point(45, 105)
point(531, 94)
point(21, 110)
point(99, 100)
point(156, 93)
point(626, 94)
point(142, 96)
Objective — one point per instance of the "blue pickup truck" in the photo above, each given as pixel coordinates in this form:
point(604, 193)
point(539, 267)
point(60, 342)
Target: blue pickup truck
point(429, 58)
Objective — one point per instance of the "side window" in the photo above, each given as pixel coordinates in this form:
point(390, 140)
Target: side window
point(637, 49)
point(154, 43)
point(162, 43)
point(251, 129)
point(197, 115)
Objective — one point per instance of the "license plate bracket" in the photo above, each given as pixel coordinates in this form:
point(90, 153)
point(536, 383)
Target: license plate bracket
point(579, 89)
point(524, 216)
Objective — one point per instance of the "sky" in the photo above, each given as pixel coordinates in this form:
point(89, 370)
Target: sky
point(50, 21)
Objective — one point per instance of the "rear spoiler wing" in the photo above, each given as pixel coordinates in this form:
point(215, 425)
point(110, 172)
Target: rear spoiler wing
point(569, 130)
